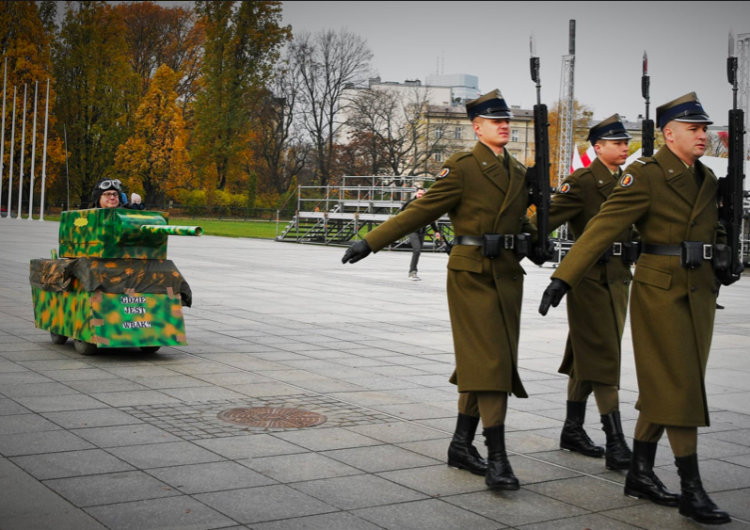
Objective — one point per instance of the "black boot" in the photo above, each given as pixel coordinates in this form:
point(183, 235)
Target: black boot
point(642, 482)
point(694, 501)
point(499, 473)
point(461, 453)
point(573, 437)
point(618, 453)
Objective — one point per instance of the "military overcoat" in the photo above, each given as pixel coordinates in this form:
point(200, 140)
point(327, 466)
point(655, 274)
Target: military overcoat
point(481, 196)
point(671, 307)
point(597, 307)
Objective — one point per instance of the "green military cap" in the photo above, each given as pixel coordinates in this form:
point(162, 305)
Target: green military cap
point(610, 129)
point(491, 105)
point(686, 108)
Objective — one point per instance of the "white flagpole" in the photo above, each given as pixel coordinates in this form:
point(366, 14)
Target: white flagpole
point(23, 149)
point(12, 145)
point(2, 134)
point(33, 156)
point(44, 155)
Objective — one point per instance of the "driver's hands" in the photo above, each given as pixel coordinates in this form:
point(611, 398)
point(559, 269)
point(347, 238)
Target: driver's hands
point(135, 198)
point(553, 295)
point(356, 252)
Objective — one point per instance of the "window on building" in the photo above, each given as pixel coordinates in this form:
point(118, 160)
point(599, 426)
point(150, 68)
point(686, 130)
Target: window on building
point(514, 135)
point(438, 157)
point(459, 133)
point(438, 133)
point(514, 155)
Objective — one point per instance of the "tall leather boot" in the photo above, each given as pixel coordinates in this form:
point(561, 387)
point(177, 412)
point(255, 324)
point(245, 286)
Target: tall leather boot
point(573, 436)
point(461, 453)
point(618, 453)
point(642, 482)
point(499, 472)
point(694, 501)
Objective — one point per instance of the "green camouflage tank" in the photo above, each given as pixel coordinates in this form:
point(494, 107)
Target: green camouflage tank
point(113, 286)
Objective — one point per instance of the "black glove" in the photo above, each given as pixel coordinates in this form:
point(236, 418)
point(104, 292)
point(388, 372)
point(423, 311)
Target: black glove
point(553, 294)
point(539, 255)
point(356, 252)
point(727, 277)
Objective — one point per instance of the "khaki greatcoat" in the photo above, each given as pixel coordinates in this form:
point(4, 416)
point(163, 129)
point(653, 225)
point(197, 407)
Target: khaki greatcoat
point(481, 196)
point(598, 305)
point(672, 308)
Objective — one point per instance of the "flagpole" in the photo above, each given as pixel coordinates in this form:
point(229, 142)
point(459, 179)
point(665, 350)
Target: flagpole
point(44, 155)
point(2, 134)
point(23, 150)
point(33, 155)
point(12, 146)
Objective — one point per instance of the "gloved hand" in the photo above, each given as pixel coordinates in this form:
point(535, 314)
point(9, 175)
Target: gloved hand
point(135, 198)
point(727, 277)
point(553, 295)
point(356, 252)
point(539, 256)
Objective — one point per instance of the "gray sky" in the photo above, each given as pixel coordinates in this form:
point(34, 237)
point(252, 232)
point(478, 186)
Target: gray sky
point(686, 44)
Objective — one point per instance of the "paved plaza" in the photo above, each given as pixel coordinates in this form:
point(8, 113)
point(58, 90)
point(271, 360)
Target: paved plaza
point(128, 440)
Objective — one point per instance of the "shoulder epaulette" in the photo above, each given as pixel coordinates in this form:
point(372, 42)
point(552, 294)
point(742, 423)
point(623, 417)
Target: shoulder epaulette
point(458, 156)
point(646, 160)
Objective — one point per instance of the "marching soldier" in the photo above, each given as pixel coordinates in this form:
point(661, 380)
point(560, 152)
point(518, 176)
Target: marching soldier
point(671, 199)
point(484, 193)
point(598, 305)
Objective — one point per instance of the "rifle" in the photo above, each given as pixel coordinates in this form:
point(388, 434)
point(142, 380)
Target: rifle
point(647, 126)
point(537, 177)
point(731, 193)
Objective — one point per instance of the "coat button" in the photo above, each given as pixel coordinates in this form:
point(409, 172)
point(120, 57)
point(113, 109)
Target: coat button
point(515, 278)
point(625, 282)
point(694, 223)
point(692, 289)
point(497, 276)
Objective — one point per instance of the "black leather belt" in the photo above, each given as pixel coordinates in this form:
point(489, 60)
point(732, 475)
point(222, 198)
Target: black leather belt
point(675, 250)
point(508, 240)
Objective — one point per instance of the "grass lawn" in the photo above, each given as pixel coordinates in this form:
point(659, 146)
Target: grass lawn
point(212, 227)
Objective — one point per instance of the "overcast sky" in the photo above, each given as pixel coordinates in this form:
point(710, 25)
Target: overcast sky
point(686, 44)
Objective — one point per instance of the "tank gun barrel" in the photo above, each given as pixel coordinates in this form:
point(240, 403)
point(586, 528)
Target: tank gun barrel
point(172, 230)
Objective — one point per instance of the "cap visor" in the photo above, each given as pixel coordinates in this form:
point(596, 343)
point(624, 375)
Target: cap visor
point(497, 116)
point(617, 136)
point(695, 118)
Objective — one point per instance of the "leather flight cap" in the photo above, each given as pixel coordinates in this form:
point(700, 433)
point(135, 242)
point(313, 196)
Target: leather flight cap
point(686, 109)
point(491, 105)
point(609, 129)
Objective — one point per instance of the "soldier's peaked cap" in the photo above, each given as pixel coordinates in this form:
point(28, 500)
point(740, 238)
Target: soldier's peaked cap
point(609, 129)
point(491, 105)
point(686, 108)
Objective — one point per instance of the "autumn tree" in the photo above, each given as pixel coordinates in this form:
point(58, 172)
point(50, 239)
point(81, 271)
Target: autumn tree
point(97, 90)
point(397, 132)
point(241, 47)
point(159, 35)
point(281, 148)
point(326, 63)
point(154, 158)
point(25, 44)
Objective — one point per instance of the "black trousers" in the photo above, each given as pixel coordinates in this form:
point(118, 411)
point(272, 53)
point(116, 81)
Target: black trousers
point(416, 240)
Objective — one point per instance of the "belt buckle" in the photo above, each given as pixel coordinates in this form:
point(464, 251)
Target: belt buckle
point(708, 251)
point(617, 249)
point(509, 241)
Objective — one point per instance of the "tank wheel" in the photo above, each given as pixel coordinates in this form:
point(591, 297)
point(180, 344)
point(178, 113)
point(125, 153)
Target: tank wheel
point(85, 348)
point(58, 339)
point(150, 349)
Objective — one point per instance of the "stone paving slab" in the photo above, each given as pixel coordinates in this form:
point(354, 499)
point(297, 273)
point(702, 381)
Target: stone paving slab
point(127, 440)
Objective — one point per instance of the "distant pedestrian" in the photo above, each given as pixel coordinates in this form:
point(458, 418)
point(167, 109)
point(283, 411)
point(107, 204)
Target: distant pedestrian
point(416, 239)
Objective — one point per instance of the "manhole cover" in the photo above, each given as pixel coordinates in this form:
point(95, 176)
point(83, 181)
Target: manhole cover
point(272, 417)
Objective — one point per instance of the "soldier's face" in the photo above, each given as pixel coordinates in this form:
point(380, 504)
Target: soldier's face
point(612, 152)
point(493, 133)
point(686, 140)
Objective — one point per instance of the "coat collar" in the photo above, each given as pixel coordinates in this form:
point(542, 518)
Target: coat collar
point(677, 175)
point(490, 165)
point(605, 181)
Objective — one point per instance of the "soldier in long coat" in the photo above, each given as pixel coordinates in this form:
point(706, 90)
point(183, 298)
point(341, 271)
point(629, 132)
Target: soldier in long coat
point(483, 192)
point(597, 306)
point(671, 199)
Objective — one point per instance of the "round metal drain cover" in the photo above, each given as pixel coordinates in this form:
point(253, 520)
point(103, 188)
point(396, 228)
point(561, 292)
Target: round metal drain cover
point(272, 417)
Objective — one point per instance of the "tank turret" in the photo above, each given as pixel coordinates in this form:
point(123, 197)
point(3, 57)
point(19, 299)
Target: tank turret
point(118, 233)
